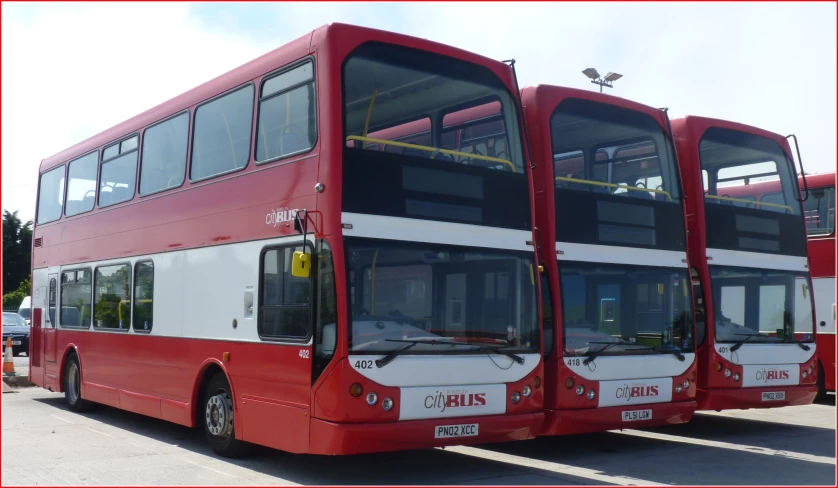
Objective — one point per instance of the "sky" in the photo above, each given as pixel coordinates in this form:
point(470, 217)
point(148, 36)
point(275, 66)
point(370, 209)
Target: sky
point(70, 71)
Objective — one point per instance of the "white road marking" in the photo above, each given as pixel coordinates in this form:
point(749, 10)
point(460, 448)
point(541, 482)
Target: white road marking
point(205, 467)
point(729, 445)
point(567, 469)
point(63, 420)
point(96, 431)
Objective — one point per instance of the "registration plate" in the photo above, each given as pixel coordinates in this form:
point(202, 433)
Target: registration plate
point(769, 396)
point(461, 430)
point(15, 343)
point(632, 415)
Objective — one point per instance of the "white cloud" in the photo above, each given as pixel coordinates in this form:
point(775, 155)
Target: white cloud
point(72, 71)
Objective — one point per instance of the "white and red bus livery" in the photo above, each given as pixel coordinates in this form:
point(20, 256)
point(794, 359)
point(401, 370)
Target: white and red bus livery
point(241, 259)
point(754, 304)
point(819, 211)
point(618, 317)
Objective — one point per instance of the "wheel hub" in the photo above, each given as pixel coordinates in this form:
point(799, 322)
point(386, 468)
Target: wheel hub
point(219, 414)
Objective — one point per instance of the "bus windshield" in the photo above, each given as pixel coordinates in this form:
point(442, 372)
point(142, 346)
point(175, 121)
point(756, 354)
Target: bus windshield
point(421, 105)
point(769, 305)
point(738, 168)
point(626, 305)
point(611, 150)
point(819, 211)
point(403, 291)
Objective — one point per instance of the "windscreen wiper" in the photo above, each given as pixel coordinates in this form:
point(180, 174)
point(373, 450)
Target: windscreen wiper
point(497, 350)
point(674, 352)
point(591, 355)
point(393, 354)
point(799, 343)
point(738, 344)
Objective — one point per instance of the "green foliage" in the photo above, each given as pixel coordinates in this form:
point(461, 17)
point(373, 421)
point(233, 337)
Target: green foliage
point(17, 248)
point(14, 298)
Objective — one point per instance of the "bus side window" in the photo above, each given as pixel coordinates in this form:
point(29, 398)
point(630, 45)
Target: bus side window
point(700, 320)
point(325, 337)
point(547, 315)
point(285, 300)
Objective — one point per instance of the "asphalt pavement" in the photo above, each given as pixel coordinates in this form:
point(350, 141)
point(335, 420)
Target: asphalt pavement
point(44, 443)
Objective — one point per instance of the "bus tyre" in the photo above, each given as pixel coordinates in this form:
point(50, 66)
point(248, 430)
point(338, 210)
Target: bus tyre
point(216, 418)
point(72, 386)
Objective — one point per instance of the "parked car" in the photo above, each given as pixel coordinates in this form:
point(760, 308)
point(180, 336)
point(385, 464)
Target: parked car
point(15, 326)
point(25, 309)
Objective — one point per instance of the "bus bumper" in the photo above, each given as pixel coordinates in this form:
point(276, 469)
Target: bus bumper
point(744, 398)
point(564, 422)
point(340, 438)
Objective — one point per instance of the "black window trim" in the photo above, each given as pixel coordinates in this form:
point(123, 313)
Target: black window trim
point(130, 285)
point(61, 301)
point(191, 148)
point(186, 161)
point(259, 99)
point(63, 195)
point(136, 267)
point(96, 189)
point(289, 340)
point(120, 154)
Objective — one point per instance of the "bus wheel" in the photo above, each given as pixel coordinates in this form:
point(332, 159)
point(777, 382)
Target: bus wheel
point(72, 386)
point(217, 414)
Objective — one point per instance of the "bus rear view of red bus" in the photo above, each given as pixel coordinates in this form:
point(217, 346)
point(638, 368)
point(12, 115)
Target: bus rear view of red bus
point(754, 300)
point(244, 260)
point(618, 329)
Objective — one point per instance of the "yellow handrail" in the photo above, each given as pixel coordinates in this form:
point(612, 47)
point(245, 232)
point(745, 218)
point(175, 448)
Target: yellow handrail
point(612, 185)
point(431, 149)
point(749, 202)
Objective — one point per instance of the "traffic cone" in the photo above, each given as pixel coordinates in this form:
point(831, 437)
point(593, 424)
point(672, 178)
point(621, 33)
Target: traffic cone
point(8, 362)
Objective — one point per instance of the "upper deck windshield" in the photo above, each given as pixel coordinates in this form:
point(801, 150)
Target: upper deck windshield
point(616, 169)
point(439, 136)
point(750, 194)
point(402, 291)
point(761, 305)
point(639, 309)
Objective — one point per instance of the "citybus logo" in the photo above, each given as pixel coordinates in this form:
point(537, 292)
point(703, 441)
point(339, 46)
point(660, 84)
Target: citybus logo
point(766, 375)
point(628, 392)
point(454, 399)
point(280, 216)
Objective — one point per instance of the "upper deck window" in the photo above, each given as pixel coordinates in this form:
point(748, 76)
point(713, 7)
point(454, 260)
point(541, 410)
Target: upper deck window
point(51, 195)
point(387, 89)
point(81, 187)
point(164, 155)
point(819, 210)
point(606, 149)
point(287, 114)
point(119, 172)
point(747, 170)
point(221, 136)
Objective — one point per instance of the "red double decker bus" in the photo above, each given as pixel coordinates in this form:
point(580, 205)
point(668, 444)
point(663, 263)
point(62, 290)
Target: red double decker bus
point(244, 260)
point(618, 318)
point(819, 211)
point(754, 302)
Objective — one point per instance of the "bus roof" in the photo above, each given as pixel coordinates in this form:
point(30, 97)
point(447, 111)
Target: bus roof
point(701, 124)
point(264, 64)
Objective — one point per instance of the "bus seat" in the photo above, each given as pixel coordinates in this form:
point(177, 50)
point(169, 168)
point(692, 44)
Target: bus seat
point(327, 344)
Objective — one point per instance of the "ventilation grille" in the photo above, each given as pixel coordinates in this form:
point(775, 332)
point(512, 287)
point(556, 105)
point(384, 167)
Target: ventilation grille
point(39, 242)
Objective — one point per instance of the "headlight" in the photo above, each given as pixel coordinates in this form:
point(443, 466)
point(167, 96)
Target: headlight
point(527, 391)
point(727, 372)
point(372, 398)
point(809, 370)
point(718, 366)
point(686, 384)
point(591, 394)
point(736, 377)
point(516, 397)
point(387, 404)
point(678, 388)
point(805, 375)
point(580, 390)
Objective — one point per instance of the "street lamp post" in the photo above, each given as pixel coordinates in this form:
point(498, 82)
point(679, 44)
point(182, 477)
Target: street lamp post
point(596, 79)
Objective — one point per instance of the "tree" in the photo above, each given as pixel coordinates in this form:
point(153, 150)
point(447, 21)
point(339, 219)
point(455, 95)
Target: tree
point(17, 248)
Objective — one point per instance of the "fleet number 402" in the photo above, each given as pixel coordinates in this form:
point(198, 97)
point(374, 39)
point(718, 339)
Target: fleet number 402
point(304, 353)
